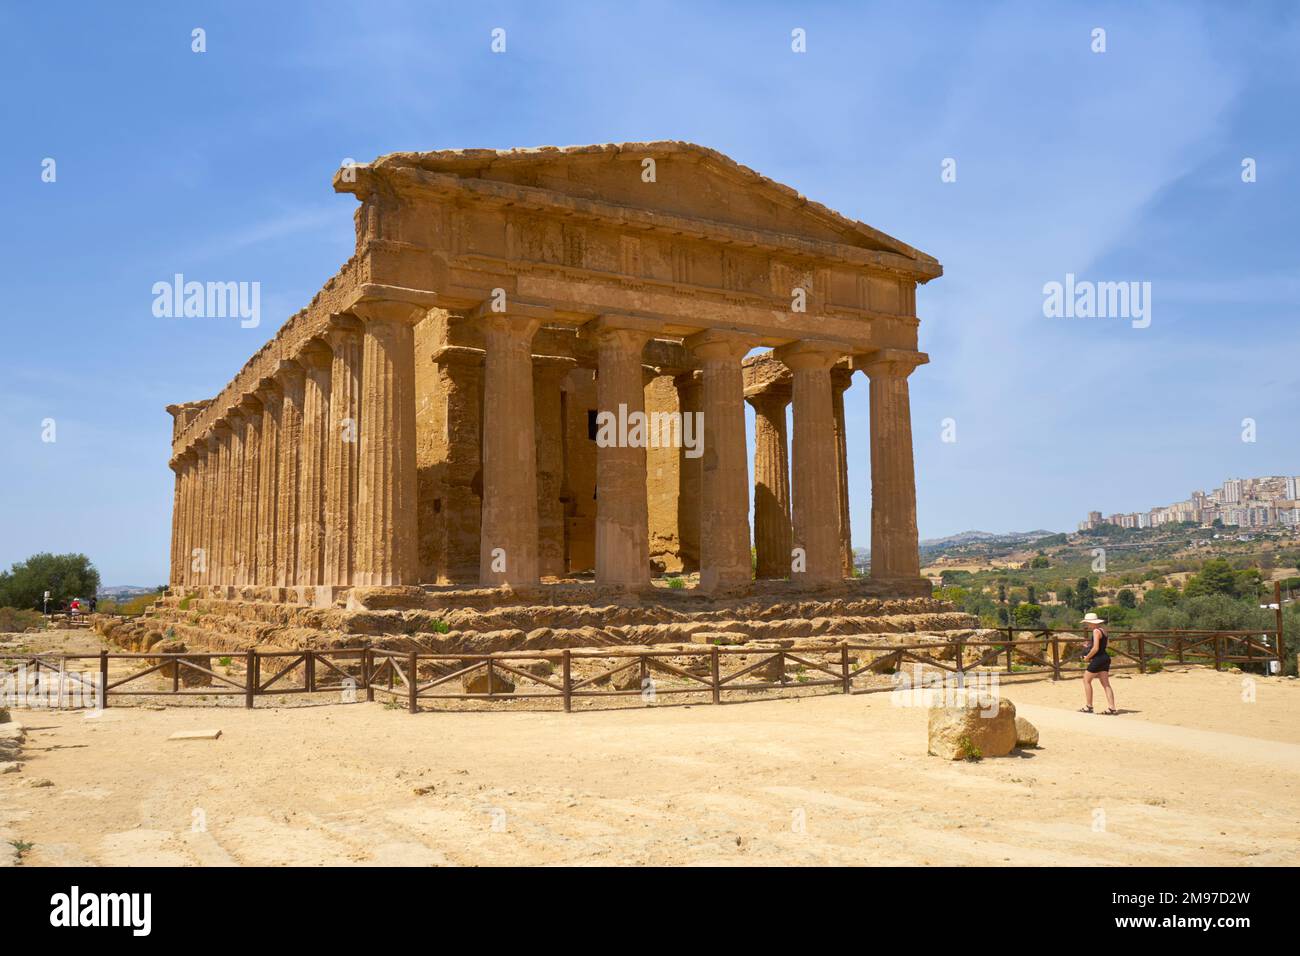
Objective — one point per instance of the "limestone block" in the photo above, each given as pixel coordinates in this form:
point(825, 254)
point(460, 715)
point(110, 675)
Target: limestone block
point(966, 724)
point(1026, 733)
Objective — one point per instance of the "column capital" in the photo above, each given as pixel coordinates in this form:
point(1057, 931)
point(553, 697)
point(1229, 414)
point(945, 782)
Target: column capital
point(268, 390)
point(773, 395)
point(316, 353)
point(389, 303)
point(890, 362)
point(458, 355)
point(809, 354)
point(553, 366)
point(288, 372)
point(630, 331)
point(221, 428)
point(841, 377)
point(251, 404)
point(511, 306)
point(339, 328)
point(720, 344)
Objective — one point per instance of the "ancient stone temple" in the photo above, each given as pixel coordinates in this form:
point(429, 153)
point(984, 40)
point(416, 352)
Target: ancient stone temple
point(534, 371)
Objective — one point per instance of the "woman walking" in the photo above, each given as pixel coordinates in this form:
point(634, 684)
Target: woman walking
point(1098, 663)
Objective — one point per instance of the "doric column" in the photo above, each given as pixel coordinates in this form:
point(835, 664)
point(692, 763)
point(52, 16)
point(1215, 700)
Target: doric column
point(724, 494)
point(458, 481)
point(316, 358)
point(212, 557)
point(815, 508)
point(772, 536)
point(690, 401)
point(549, 372)
point(291, 378)
point(226, 433)
point(268, 487)
point(895, 556)
point(386, 542)
point(250, 500)
point(177, 506)
point(508, 541)
point(191, 514)
point(622, 512)
point(202, 515)
point(234, 545)
point(841, 379)
point(344, 339)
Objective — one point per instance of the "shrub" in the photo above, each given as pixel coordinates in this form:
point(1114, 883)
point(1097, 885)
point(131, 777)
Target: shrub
point(16, 620)
point(968, 749)
point(676, 584)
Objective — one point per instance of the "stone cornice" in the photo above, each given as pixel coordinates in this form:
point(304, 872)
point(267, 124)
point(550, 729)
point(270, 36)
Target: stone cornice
point(407, 180)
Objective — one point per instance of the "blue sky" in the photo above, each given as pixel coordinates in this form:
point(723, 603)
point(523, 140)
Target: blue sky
point(1119, 166)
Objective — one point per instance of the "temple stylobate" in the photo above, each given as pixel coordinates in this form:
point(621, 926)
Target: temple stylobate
point(453, 407)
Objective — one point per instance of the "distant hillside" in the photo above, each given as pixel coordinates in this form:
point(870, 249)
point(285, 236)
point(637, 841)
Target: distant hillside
point(124, 591)
point(972, 537)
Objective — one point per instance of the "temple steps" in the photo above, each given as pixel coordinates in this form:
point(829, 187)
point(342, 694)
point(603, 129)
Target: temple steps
point(235, 625)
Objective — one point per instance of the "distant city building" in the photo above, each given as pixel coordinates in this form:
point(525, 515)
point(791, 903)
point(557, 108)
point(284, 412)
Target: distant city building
point(1265, 502)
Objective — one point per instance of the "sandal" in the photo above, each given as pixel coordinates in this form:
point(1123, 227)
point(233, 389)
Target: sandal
point(1085, 710)
point(1111, 711)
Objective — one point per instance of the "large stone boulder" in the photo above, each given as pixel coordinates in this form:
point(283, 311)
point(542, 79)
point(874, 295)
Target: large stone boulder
point(1026, 733)
point(477, 682)
point(188, 675)
point(966, 725)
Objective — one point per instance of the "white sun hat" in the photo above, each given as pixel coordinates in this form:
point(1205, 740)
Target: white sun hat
point(1091, 618)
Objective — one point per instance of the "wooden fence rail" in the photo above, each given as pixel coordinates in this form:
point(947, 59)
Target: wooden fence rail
point(397, 674)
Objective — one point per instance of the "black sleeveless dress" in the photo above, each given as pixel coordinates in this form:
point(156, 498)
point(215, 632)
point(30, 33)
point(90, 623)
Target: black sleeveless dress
point(1101, 660)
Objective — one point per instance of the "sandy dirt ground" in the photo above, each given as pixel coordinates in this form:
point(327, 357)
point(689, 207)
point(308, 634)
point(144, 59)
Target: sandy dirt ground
point(1193, 772)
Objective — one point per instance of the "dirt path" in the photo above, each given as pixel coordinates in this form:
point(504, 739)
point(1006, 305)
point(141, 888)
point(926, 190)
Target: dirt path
point(1194, 773)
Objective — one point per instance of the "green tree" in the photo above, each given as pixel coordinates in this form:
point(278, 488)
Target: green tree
point(1127, 598)
point(1216, 577)
point(1040, 562)
point(1028, 615)
point(65, 576)
point(1085, 598)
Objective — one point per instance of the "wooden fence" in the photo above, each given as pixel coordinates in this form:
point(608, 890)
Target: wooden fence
point(396, 675)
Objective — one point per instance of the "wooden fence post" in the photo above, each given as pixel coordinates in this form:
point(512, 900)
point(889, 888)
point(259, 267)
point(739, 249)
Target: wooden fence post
point(961, 667)
point(1142, 663)
point(367, 666)
point(844, 667)
point(1281, 644)
point(568, 680)
point(1011, 638)
point(1217, 653)
point(309, 671)
point(1178, 643)
point(103, 679)
point(411, 704)
point(717, 682)
point(250, 677)
point(1056, 657)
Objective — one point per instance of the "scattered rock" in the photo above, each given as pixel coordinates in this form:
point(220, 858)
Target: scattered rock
point(966, 725)
point(41, 782)
point(188, 675)
point(719, 637)
point(477, 682)
point(195, 735)
point(1026, 733)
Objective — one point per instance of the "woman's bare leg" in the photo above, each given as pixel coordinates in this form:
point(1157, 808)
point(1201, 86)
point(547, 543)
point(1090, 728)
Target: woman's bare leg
point(1105, 684)
point(1087, 688)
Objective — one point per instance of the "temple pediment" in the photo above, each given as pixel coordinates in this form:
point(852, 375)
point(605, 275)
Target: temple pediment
point(673, 187)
